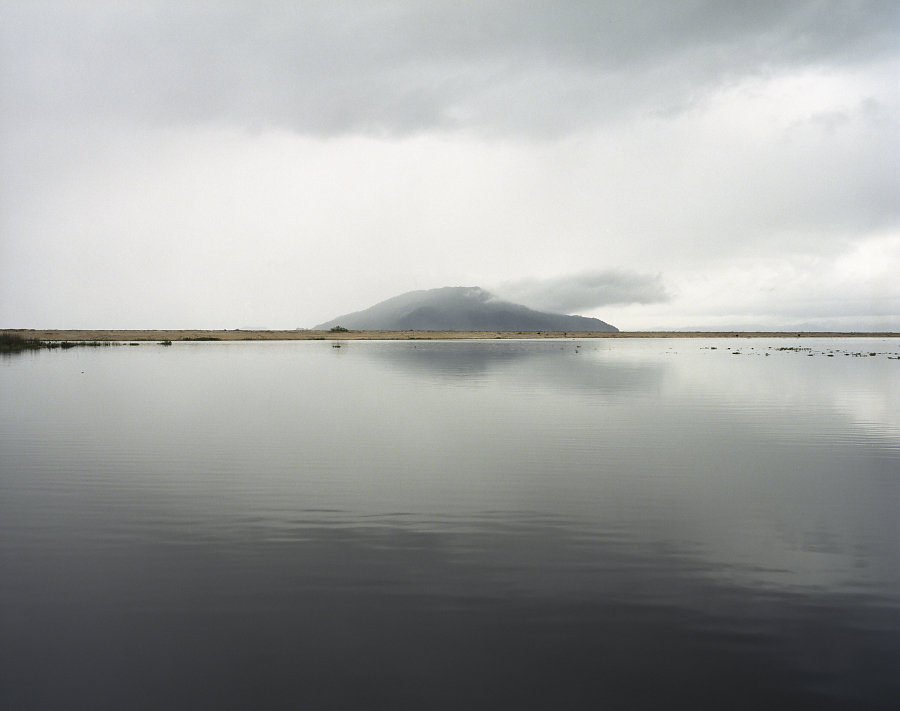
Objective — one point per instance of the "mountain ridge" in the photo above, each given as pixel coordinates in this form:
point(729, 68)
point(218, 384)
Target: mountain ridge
point(459, 308)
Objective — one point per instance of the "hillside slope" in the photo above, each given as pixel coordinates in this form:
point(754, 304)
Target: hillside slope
point(459, 308)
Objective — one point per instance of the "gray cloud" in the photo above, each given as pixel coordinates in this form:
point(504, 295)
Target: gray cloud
point(398, 68)
point(191, 147)
point(586, 290)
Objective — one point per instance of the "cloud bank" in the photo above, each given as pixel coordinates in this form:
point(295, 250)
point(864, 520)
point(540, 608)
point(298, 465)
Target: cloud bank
point(224, 163)
point(398, 68)
point(585, 291)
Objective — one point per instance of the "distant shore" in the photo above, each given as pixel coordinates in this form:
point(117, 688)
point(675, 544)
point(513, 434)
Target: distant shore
point(309, 335)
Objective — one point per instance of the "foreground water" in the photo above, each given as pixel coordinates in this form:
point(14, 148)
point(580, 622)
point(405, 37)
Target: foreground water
point(565, 524)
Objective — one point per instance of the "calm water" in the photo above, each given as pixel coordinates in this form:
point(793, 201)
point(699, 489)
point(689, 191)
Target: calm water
point(500, 524)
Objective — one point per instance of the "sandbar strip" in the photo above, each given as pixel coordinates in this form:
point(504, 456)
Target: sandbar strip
point(310, 335)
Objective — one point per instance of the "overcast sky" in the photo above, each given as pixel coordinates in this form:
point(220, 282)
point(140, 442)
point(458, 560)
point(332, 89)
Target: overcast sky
point(655, 164)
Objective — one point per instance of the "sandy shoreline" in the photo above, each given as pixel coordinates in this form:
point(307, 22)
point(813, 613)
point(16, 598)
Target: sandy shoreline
point(304, 335)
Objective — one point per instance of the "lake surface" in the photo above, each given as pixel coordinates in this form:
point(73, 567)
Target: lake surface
point(426, 525)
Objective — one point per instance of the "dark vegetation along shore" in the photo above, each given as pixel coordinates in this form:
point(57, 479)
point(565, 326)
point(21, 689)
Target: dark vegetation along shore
point(14, 343)
point(15, 340)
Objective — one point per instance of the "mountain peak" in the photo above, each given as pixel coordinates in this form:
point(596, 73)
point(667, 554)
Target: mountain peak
point(459, 308)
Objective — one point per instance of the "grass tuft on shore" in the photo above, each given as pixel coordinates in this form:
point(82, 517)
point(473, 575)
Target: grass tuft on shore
point(14, 343)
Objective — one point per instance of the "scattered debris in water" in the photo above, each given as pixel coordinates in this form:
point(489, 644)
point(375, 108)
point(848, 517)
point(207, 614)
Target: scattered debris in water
point(809, 351)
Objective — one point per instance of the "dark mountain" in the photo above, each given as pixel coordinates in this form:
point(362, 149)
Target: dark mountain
point(459, 308)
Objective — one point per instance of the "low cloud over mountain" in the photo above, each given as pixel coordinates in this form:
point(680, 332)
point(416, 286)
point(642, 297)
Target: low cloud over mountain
point(587, 290)
point(460, 308)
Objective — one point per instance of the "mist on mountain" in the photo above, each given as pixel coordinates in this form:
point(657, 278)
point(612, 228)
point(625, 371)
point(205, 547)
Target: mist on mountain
point(459, 308)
